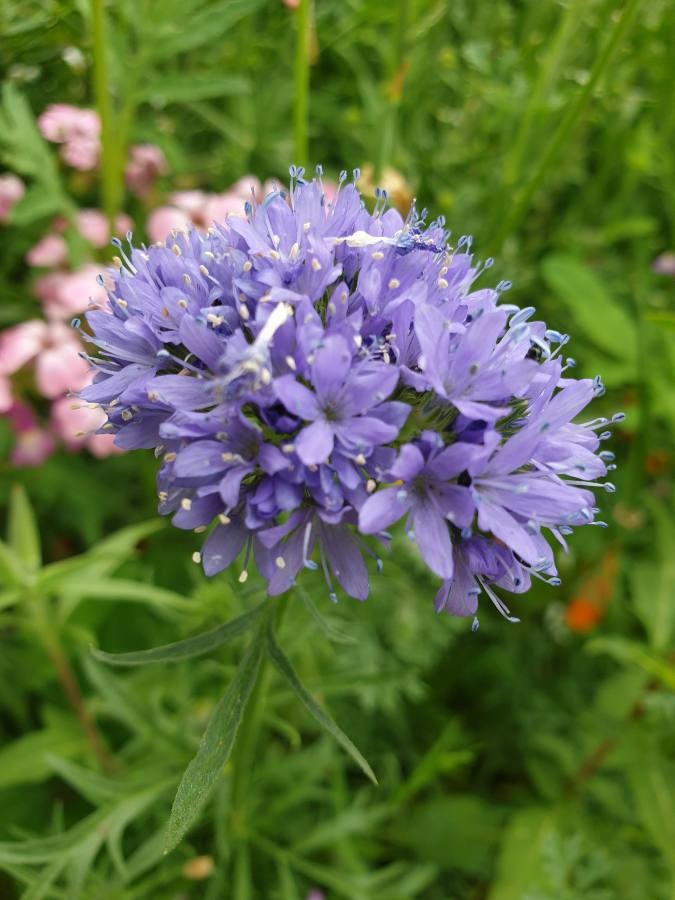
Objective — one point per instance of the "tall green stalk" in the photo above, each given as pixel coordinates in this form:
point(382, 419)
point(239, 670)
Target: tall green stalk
point(111, 174)
point(570, 120)
point(301, 84)
point(397, 74)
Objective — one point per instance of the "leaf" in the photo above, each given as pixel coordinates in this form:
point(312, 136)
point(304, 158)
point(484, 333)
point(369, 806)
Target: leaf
point(322, 717)
point(117, 589)
point(631, 652)
point(194, 646)
point(185, 89)
point(206, 26)
point(22, 530)
point(597, 314)
point(201, 775)
point(520, 855)
point(653, 582)
point(651, 779)
point(10, 570)
point(26, 759)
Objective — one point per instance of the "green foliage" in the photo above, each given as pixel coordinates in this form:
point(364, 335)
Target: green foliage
point(521, 763)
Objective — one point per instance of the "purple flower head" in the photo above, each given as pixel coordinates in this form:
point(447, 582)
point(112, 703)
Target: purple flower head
point(310, 373)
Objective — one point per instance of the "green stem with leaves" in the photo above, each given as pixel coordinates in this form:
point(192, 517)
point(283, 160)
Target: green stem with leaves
point(111, 170)
point(301, 84)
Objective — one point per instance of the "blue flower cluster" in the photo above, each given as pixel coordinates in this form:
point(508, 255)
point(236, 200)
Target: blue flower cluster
point(312, 372)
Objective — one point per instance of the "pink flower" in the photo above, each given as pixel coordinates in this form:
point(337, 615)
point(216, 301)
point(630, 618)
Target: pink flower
point(146, 162)
point(76, 424)
point(163, 221)
point(12, 190)
point(292, 4)
point(51, 250)
point(33, 444)
point(54, 348)
point(664, 264)
point(190, 202)
point(93, 226)
point(61, 122)
point(5, 393)
point(65, 294)
point(78, 130)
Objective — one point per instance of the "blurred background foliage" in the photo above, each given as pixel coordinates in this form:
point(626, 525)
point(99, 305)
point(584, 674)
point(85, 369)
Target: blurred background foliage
point(533, 762)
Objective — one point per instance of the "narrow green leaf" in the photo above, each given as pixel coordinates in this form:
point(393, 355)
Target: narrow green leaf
point(117, 589)
point(631, 652)
point(183, 89)
point(310, 704)
point(597, 314)
point(10, 570)
point(23, 535)
point(520, 857)
point(194, 646)
point(201, 775)
point(651, 778)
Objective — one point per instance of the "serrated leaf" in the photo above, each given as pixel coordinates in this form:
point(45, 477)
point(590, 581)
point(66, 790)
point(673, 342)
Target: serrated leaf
point(597, 314)
point(22, 531)
point(186, 649)
point(203, 772)
point(322, 717)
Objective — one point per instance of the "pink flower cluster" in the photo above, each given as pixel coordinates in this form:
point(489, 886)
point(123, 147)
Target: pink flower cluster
point(78, 131)
point(12, 190)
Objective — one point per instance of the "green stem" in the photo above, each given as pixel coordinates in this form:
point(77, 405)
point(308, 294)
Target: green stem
point(243, 758)
point(51, 643)
point(111, 176)
point(301, 84)
point(397, 73)
point(570, 120)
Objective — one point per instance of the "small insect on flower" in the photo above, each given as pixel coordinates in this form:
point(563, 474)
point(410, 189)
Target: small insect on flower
point(313, 372)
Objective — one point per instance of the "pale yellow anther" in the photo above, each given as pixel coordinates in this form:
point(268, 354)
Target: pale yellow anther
point(288, 448)
point(371, 484)
point(183, 303)
point(243, 577)
point(223, 519)
point(169, 457)
point(248, 265)
point(121, 303)
point(290, 362)
point(306, 226)
point(378, 255)
point(196, 557)
point(200, 529)
point(176, 249)
point(293, 252)
point(442, 283)
point(280, 562)
point(203, 270)
point(187, 281)
point(127, 415)
point(243, 312)
point(165, 312)
point(316, 265)
point(275, 254)
point(214, 320)
point(276, 240)
point(186, 503)
point(332, 309)
point(394, 283)
point(360, 460)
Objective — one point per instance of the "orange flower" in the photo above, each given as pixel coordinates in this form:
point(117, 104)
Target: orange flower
point(588, 606)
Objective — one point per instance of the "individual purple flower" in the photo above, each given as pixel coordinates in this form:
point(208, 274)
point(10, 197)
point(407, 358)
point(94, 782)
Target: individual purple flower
point(312, 372)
